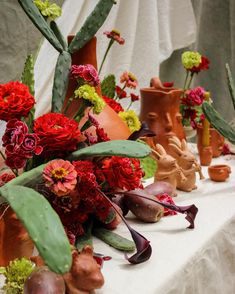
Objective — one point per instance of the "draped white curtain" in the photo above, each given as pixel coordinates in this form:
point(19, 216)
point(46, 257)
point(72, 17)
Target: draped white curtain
point(153, 29)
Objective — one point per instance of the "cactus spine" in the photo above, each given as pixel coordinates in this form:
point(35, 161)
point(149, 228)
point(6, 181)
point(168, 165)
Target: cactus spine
point(215, 118)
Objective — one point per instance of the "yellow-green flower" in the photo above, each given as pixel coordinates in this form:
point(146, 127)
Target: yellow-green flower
point(131, 119)
point(88, 92)
point(191, 59)
point(47, 9)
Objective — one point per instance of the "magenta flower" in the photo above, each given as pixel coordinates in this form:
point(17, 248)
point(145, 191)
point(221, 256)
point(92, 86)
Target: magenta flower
point(20, 145)
point(60, 177)
point(85, 72)
point(194, 97)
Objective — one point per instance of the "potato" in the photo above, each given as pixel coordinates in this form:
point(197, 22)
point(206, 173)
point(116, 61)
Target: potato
point(43, 281)
point(145, 210)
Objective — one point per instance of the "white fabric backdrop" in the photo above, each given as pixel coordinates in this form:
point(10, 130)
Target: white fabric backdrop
point(152, 29)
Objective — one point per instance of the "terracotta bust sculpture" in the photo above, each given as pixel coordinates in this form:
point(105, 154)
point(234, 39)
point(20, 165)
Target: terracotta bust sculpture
point(160, 109)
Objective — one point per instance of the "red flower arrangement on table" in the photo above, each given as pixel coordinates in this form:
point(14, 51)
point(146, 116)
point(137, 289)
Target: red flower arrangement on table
point(80, 191)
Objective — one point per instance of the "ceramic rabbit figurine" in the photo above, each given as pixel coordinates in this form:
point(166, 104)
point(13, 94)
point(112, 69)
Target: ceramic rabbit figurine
point(187, 162)
point(168, 170)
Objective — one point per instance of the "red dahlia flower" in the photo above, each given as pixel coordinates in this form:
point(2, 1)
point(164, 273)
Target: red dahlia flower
point(5, 178)
point(57, 133)
point(15, 101)
point(113, 104)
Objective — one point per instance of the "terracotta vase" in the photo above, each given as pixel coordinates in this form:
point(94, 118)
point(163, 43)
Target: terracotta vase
point(219, 172)
point(160, 110)
point(14, 239)
point(216, 141)
point(205, 155)
point(108, 118)
point(190, 132)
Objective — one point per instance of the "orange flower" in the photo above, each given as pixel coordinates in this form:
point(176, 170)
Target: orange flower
point(60, 177)
point(129, 79)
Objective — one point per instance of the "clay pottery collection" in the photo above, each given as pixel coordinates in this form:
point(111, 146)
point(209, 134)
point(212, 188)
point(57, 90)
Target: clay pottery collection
point(216, 141)
point(205, 155)
point(14, 239)
point(160, 110)
point(108, 119)
point(219, 173)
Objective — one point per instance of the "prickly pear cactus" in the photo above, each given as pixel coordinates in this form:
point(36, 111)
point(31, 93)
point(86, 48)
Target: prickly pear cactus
point(215, 119)
point(108, 86)
point(27, 77)
point(91, 25)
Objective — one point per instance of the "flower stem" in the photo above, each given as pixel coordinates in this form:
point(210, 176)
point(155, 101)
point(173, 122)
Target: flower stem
point(129, 106)
point(78, 116)
point(15, 172)
point(105, 55)
point(190, 80)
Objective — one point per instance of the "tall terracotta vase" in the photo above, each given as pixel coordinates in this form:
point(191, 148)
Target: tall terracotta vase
point(108, 118)
point(216, 141)
point(160, 109)
point(14, 239)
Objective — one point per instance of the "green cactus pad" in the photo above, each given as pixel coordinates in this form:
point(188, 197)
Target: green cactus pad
point(108, 86)
point(42, 224)
point(114, 239)
point(93, 22)
point(58, 34)
point(230, 84)
point(61, 79)
point(116, 147)
point(218, 122)
point(149, 166)
point(27, 77)
point(29, 179)
point(34, 14)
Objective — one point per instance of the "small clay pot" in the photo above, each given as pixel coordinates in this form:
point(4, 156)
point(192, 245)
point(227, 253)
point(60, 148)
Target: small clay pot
point(219, 173)
point(205, 155)
point(216, 141)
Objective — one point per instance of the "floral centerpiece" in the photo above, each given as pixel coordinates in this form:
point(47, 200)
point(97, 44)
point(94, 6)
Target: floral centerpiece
point(61, 182)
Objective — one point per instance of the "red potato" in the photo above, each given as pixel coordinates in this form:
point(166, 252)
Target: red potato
point(144, 209)
point(43, 281)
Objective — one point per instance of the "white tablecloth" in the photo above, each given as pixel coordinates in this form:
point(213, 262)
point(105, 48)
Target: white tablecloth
point(199, 261)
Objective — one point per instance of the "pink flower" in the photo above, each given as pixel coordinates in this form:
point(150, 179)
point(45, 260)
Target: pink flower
point(20, 145)
point(134, 97)
point(116, 36)
point(60, 177)
point(86, 72)
point(226, 150)
point(129, 79)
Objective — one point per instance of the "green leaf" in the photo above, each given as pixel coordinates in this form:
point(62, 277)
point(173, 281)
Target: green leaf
point(123, 148)
point(108, 86)
point(42, 224)
point(230, 84)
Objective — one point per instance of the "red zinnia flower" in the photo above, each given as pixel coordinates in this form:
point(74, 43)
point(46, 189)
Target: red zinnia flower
point(113, 104)
point(204, 65)
point(120, 92)
point(57, 133)
point(116, 36)
point(134, 97)
point(15, 101)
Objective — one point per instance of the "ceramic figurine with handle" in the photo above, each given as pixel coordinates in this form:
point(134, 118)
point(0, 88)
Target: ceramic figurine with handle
point(187, 162)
